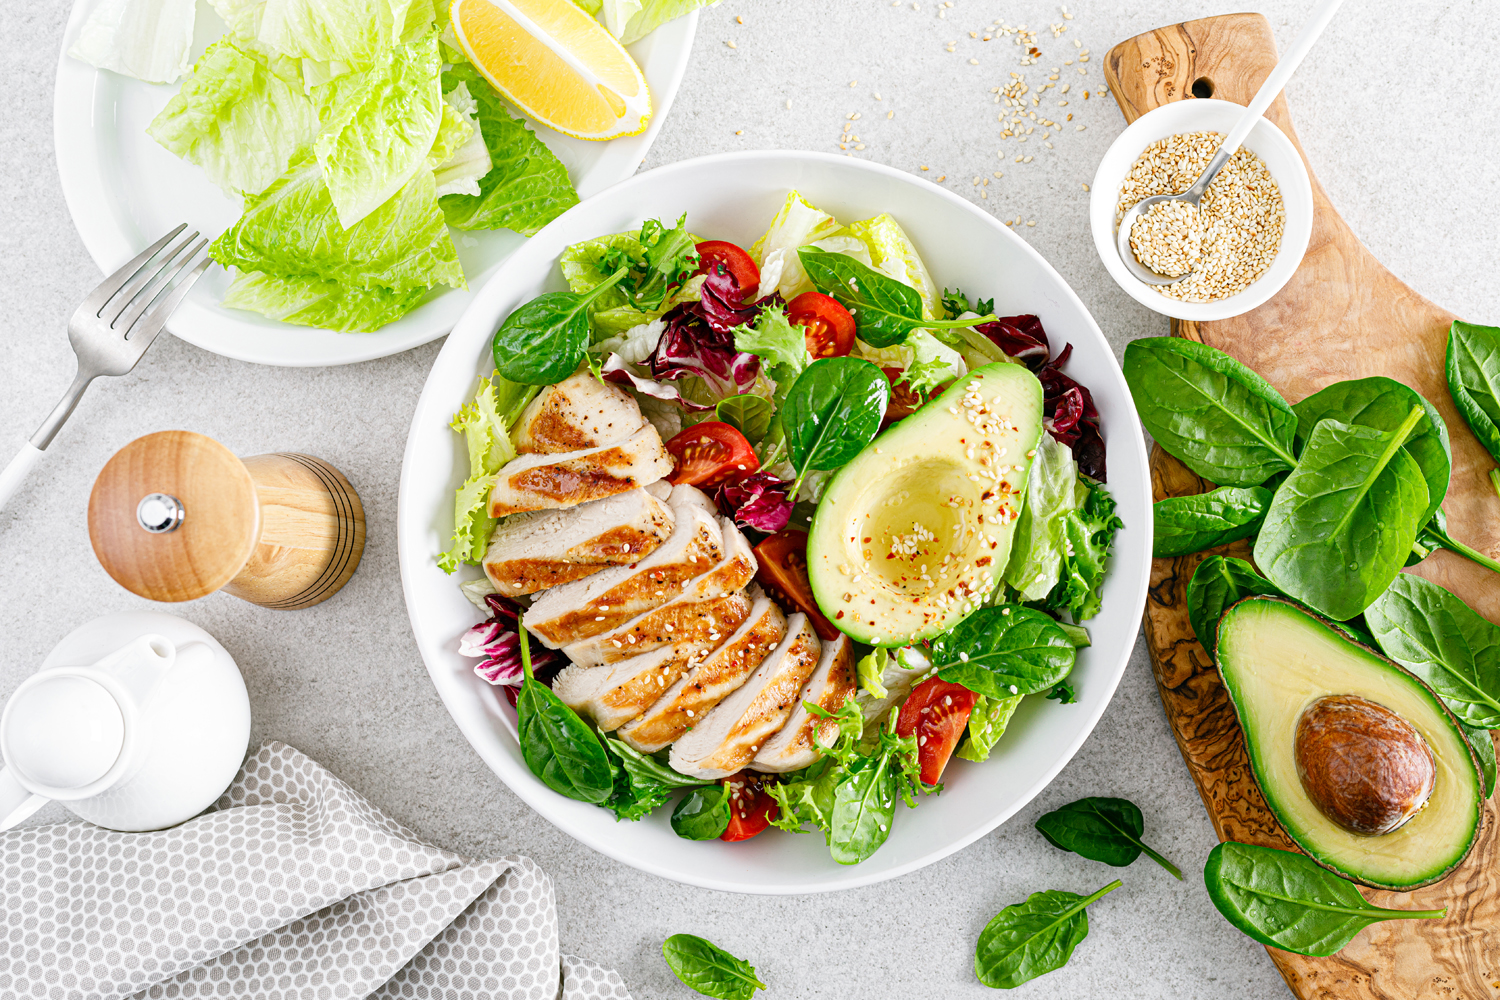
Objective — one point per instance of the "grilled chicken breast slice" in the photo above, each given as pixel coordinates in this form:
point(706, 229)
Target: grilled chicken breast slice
point(663, 624)
point(830, 685)
point(531, 552)
point(731, 735)
point(577, 413)
point(685, 494)
point(686, 702)
point(679, 620)
point(612, 597)
point(567, 479)
point(615, 694)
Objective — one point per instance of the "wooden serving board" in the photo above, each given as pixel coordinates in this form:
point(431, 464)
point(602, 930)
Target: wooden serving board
point(1341, 316)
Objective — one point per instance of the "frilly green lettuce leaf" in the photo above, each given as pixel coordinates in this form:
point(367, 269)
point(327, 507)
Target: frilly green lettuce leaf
point(933, 362)
point(775, 341)
point(460, 170)
point(308, 301)
point(987, 724)
point(485, 424)
point(1052, 491)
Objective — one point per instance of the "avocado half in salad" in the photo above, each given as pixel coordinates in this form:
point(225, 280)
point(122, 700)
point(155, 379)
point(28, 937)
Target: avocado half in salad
point(1363, 765)
point(915, 532)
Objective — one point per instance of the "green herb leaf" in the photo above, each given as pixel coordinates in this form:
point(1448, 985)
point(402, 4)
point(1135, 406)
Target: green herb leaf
point(1090, 534)
point(1286, 901)
point(1473, 368)
point(658, 261)
point(806, 797)
point(703, 814)
point(556, 744)
point(542, 342)
point(706, 968)
point(885, 310)
point(832, 411)
point(1107, 830)
point(1437, 637)
point(1004, 651)
point(864, 805)
point(1030, 939)
point(1341, 525)
point(1193, 523)
point(1063, 693)
point(1218, 583)
point(1215, 415)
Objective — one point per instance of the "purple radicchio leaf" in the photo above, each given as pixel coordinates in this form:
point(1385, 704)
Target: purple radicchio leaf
point(689, 346)
point(721, 304)
point(1021, 337)
point(759, 501)
point(497, 645)
point(1071, 417)
point(616, 369)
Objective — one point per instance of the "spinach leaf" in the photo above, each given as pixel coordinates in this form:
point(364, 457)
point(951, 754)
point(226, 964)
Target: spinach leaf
point(1215, 415)
point(1062, 692)
point(1437, 637)
point(1004, 651)
point(657, 261)
point(885, 310)
point(1434, 535)
point(1473, 368)
point(864, 800)
point(747, 413)
point(1107, 830)
point(1383, 404)
point(1286, 901)
point(1185, 525)
point(1341, 525)
point(703, 814)
point(542, 342)
point(1030, 939)
point(706, 968)
point(1221, 581)
point(1484, 749)
point(832, 411)
point(556, 744)
point(641, 782)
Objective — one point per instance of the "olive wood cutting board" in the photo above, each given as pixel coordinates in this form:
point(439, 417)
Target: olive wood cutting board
point(1341, 316)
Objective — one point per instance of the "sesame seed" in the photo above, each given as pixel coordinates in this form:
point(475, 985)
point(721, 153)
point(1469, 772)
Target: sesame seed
point(731, 44)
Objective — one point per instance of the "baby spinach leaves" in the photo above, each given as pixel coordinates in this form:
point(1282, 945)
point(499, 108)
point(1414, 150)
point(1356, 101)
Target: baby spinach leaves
point(747, 413)
point(641, 782)
point(1343, 522)
point(1437, 637)
point(1193, 523)
point(1004, 651)
point(1100, 829)
point(1286, 901)
point(864, 800)
point(1434, 535)
point(1484, 749)
point(703, 814)
point(833, 410)
point(542, 342)
point(1218, 417)
point(1473, 368)
point(556, 744)
point(885, 310)
point(706, 968)
point(1219, 582)
point(1030, 939)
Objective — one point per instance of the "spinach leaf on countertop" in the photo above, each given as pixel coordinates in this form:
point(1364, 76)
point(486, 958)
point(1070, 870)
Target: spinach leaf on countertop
point(1221, 581)
point(1101, 829)
point(705, 968)
point(1030, 939)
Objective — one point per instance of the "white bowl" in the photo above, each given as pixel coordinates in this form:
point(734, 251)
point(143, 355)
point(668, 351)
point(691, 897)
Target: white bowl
point(1202, 115)
point(733, 197)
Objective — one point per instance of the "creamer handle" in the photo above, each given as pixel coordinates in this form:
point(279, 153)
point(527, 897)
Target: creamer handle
point(16, 802)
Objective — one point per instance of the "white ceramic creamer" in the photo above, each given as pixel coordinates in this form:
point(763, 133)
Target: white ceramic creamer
point(135, 721)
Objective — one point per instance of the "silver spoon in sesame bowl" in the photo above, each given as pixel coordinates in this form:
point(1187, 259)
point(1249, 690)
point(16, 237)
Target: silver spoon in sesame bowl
point(1172, 220)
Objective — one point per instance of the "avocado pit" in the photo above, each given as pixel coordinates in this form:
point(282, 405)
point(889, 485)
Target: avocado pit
point(1366, 768)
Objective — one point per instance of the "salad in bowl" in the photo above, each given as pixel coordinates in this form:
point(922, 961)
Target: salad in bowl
point(771, 534)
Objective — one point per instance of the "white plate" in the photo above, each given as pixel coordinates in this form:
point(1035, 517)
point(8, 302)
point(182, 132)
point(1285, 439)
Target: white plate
point(734, 197)
point(124, 191)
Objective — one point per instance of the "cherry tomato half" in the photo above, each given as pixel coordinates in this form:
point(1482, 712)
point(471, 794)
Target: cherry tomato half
point(710, 454)
point(783, 574)
point(936, 712)
point(828, 327)
point(751, 807)
point(732, 259)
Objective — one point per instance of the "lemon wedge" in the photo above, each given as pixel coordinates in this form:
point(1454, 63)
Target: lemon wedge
point(556, 63)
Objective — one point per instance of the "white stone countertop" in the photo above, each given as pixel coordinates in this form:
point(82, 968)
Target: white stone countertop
point(1396, 111)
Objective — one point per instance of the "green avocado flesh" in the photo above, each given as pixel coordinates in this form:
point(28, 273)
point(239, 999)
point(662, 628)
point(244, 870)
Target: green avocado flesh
point(1277, 659)
point(914, 533)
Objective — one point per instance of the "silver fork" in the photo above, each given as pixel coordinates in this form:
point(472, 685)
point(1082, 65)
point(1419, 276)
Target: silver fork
point(112, 329)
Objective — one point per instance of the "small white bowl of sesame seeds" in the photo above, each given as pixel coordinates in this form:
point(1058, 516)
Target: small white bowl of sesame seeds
point(1255, 219)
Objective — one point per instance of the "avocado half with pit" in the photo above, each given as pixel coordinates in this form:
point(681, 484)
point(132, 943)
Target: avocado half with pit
point(914, 533)
point(1364, 766)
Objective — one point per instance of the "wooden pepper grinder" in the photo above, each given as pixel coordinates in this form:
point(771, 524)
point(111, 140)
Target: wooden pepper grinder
point(175, 515)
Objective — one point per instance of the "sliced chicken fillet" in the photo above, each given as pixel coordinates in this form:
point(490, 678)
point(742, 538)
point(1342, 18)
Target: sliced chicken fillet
point(531, 552)
point(577, 413)
point(615, 694)
point(614, 596)
point(676, 621)
point(567, 479)
point(830, 685)
point(685, 494)
point(686, 703)
point(731, 735)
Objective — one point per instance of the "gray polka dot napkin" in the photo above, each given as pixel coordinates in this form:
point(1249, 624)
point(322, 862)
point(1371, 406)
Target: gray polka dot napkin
point(292, 887)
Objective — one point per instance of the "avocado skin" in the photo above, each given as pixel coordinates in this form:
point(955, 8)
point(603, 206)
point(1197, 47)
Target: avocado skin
point(1317, 836)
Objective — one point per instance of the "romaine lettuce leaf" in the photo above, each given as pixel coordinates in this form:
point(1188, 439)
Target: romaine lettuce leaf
point(987, 724)
point(308, 301)
point(237, 120)
point(242, 16)
point(1052, 491)
point(357, 32)
point(527, 186)
point(379, 137)
point(459, 171)
point(894, 254)
point(796, 224)
point(632, 20)
point(485, 424)
point(145, 39)
point(292, 230)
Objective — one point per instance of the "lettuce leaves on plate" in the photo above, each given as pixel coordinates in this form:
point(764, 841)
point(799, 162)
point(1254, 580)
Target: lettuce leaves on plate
point(146, 39)
point(485, 424)
point(632, 20)
point(329, 305)
point(356, 33)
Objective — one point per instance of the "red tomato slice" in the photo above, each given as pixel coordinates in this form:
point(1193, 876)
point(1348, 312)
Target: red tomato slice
point(733, 260)
point(828, 327)
point(751, 807)
point(936, 712)
point(783, 574)
point(710, 454)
